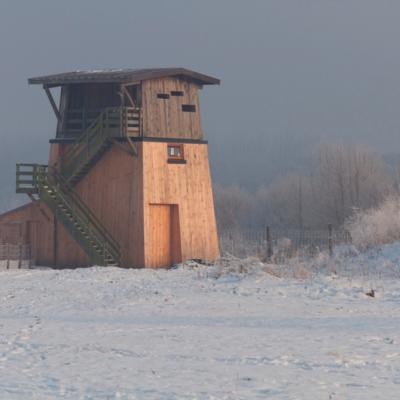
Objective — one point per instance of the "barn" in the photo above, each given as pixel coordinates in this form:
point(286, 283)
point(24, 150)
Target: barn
point(127, 181)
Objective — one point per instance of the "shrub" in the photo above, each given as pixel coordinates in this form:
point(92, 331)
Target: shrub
point(376, 226)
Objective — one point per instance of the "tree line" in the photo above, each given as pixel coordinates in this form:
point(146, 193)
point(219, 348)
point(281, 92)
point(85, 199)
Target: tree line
point(341, 180)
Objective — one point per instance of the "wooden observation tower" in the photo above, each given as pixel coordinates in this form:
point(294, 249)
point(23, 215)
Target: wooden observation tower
point(128, 180)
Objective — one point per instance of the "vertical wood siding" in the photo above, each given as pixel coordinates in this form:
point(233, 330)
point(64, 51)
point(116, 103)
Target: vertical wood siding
point(188, 186)
point(164, 117)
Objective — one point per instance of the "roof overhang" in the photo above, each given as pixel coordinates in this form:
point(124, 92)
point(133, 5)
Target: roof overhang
point(121, 76)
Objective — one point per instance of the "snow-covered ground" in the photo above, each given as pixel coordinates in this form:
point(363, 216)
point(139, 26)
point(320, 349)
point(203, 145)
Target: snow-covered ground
point(231, 331)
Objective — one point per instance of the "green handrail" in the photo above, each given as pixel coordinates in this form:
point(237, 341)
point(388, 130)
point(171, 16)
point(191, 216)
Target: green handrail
point(40, 180)
point(112, 122)
point(83, 209)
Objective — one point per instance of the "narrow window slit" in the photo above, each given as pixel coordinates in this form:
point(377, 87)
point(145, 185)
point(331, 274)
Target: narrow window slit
point(188, 108)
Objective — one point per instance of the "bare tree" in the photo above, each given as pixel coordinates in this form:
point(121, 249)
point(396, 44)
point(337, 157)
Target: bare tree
point(284, 203)
point(346, 178)
point(343, 179)
point(233, 207)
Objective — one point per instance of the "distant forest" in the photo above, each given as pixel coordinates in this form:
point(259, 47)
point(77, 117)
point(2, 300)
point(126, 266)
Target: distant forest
point(337, 181)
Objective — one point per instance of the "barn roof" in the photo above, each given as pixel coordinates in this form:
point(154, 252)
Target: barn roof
point(121, 76)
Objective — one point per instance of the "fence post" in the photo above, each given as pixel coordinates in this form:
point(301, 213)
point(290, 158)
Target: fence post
point(231, 242)
point(29, 253)
point(19, 255)
point(8, 256)
point(269, 242)
point(330, 239)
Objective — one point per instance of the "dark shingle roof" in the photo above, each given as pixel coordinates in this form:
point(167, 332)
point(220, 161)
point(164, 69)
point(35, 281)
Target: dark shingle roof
point(121, 75)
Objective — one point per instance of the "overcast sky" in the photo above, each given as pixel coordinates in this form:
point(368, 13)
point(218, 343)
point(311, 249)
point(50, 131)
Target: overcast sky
point(292, 72)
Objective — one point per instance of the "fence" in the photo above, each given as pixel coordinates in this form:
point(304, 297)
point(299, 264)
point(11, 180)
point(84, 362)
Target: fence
point(15, 256)
point(280, 244)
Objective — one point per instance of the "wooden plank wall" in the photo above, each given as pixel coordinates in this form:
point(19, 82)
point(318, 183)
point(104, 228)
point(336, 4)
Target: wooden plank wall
point(120, 189)
point(20, 216)
point(189, 187)
point(176, 245)
point(164, 117)
point(12, 233)
point(55, 152)
point(159, 243)
point(38, 231)
point(113, 190)
point(35, 231)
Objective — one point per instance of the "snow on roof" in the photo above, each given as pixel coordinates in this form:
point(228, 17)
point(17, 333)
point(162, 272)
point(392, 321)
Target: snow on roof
point(121, 75)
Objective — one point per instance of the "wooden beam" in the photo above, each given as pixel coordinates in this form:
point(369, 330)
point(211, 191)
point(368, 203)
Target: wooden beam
point(123, 148)
point(131, 144)
point(125, 90)
point(52, 102)
point(55, 241)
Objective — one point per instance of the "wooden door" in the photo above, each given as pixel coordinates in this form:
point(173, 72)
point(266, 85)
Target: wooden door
point(164, 238)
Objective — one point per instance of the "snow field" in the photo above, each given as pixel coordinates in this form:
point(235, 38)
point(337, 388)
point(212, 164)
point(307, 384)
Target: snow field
point(197, 332)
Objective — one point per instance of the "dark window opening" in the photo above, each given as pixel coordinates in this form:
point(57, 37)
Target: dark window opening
point(75, 97)
point(177, 93)
point(175, 151)
point(162, 96)
point(188, 108)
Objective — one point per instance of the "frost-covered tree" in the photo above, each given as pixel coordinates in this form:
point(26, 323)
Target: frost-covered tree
point(347, 178)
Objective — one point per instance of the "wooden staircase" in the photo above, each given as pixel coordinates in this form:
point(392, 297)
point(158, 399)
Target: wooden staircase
point(68, 208)
point(112, 123)
point(55, 186)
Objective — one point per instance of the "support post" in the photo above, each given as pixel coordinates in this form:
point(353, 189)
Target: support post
point(19, 255)
point(330, 240)
point(124, 121)
point(128, 95)
point(269, 243)
point(29, 257)
point(52, 102)
point(8, 256)
point(55, 242)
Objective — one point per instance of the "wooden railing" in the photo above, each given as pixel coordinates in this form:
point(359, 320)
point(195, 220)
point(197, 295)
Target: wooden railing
point(27, 177)
point(113, 122)
point(77, 121)
point(15, 255)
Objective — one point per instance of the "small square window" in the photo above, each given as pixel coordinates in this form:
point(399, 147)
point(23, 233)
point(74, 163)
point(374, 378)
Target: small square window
point(164, 96)
point(175, 151)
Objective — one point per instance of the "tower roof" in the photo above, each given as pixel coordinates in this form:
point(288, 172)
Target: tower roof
point(121, 76)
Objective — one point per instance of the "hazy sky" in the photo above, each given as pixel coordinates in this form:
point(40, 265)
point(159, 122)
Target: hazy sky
point(292, 72)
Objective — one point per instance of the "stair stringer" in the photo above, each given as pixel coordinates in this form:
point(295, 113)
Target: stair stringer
point(62, 250)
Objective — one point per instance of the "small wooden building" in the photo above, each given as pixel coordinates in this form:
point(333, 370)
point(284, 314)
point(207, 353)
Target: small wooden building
point(128, 180)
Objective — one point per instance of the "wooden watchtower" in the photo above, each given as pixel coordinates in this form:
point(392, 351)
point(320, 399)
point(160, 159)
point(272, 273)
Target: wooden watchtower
point(128, 180)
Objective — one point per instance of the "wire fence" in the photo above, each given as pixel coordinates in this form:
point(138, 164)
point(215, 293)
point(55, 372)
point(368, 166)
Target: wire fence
point(267, 244)
point(280, 244)
point(15, 256)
